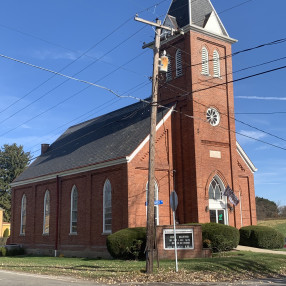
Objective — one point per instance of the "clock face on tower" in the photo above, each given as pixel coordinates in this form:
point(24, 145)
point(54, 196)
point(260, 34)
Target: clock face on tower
point(213, 116)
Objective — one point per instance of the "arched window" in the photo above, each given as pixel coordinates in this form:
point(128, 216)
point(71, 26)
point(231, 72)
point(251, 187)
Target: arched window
point(216, 64)
point(107, 207)
point(73, 218)
point(156, 206)
point(205, 61)
point(23, 215)
point(169, 72)
point(46, 224)
point(179, 66)
point(217, 201)
point(215, 190)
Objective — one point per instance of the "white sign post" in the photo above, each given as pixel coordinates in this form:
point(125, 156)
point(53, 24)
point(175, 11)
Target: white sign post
point(174, 204)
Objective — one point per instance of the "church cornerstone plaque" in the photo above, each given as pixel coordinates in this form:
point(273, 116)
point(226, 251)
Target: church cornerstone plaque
point(189, 242)
point(184, 237)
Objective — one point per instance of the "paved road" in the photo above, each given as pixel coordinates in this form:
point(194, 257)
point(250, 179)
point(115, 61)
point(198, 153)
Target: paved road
point(22, 279)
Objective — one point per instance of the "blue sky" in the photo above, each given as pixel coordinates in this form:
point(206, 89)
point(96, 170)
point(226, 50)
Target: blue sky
point(67, 35)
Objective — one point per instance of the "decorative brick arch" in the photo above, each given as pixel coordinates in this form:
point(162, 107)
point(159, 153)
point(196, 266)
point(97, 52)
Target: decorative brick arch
point(210, 178)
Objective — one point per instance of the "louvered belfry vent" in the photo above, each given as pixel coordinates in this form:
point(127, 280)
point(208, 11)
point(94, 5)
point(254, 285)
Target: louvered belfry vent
point(179, 64)
point(216, 64)
point(205, 61)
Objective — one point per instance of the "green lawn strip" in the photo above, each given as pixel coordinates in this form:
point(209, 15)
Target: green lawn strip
point(232, 266)
point(279, 224)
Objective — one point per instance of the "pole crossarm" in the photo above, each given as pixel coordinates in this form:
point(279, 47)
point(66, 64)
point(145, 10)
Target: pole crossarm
point(155, 24)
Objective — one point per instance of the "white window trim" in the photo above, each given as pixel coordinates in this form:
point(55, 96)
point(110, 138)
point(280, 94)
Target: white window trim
point(74, 188)
point(205, 62)
point(47, 193)
point(216, 64)
point(156, 197)
point(219, 204)
point(21, 225)
point(107, 181)
point(225, 212)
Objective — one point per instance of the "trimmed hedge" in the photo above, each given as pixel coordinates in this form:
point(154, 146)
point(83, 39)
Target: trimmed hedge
point(222, 237)
point(261, 237)
point(127, 243)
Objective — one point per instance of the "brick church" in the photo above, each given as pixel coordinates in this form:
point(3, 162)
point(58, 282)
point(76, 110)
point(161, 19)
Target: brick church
point(92, 180)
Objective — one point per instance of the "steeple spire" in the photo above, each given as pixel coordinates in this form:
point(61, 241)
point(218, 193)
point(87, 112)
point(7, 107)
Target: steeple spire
point(196, 13)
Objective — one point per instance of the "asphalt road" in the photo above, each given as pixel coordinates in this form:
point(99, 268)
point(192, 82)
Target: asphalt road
point(8, 278)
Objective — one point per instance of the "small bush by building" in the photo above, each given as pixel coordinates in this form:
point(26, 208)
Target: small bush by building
point(127, 243)
point(6, 233)
point(221, 237)
point(261, 237)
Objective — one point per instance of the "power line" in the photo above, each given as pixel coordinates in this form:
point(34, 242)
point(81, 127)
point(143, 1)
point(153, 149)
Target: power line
point(186, 115)
point(116, 94)
point(275, 42)
point(83, 54)
point(95, 130)
point(103, 77)
point(128, 96)
point(240, 121)
point(234, 6)
point(261, 113)
point(67, 77)
point(112, 101)
point(239, 79)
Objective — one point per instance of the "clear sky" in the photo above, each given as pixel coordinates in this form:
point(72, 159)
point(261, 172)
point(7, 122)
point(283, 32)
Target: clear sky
point(70, 36)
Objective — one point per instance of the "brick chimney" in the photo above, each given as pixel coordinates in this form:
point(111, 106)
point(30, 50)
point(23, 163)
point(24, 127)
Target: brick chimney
point(44, 148)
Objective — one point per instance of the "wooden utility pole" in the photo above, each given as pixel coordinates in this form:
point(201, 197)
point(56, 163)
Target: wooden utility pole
point(151, 175)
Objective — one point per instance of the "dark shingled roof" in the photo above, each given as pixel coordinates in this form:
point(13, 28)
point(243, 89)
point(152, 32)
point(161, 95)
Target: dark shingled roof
point(200, 13)
point(111, 136)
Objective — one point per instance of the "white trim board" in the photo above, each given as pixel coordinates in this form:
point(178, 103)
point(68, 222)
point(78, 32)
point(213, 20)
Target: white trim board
point(245, 158)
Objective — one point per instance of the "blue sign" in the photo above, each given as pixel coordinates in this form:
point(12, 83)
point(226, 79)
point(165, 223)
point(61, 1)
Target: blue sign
point(156, 202)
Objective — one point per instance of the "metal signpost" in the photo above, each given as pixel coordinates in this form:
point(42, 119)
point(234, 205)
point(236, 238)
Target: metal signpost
point(174, 204)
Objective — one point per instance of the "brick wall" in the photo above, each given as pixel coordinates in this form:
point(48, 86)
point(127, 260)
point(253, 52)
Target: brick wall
point(90, 211)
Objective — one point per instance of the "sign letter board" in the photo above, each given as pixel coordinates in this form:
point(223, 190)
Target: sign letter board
point(184, 239)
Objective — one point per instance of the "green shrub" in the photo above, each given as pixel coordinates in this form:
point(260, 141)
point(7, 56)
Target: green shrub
point(6, 232)
point(222, 237)
point(261, 237)
point(3, 251)
point(127, 243)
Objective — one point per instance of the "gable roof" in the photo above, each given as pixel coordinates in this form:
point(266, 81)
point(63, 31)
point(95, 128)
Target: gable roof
point(196, 13)
point(108, 137)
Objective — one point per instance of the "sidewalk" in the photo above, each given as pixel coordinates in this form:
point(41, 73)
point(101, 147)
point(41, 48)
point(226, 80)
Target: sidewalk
point(253, 249)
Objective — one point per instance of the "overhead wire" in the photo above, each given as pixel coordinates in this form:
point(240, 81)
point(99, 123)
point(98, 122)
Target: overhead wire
point(116, 94)
point(240, 121)
point(83, 54)
point(53, 89)
point(112, 101)
point(69, 64)
point(137, 98)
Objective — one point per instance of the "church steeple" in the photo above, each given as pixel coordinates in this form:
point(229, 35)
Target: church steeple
point(196, 14)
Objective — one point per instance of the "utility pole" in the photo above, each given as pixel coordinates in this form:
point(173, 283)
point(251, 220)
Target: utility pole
point(151, 174)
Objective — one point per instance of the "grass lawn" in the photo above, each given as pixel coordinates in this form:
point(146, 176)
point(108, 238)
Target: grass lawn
point(278, 224)
point(230, 267)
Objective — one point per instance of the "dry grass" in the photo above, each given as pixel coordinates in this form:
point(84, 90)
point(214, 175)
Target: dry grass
point(228, 267)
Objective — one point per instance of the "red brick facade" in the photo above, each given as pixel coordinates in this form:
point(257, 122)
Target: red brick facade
point(185, 142)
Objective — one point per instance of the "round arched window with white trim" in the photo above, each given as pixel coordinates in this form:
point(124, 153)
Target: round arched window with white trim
point(213, 116)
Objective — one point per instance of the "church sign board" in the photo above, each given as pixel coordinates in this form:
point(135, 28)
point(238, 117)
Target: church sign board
point(185, 239)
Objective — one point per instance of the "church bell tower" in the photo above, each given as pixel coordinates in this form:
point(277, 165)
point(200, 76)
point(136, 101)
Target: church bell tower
point(199, 84)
